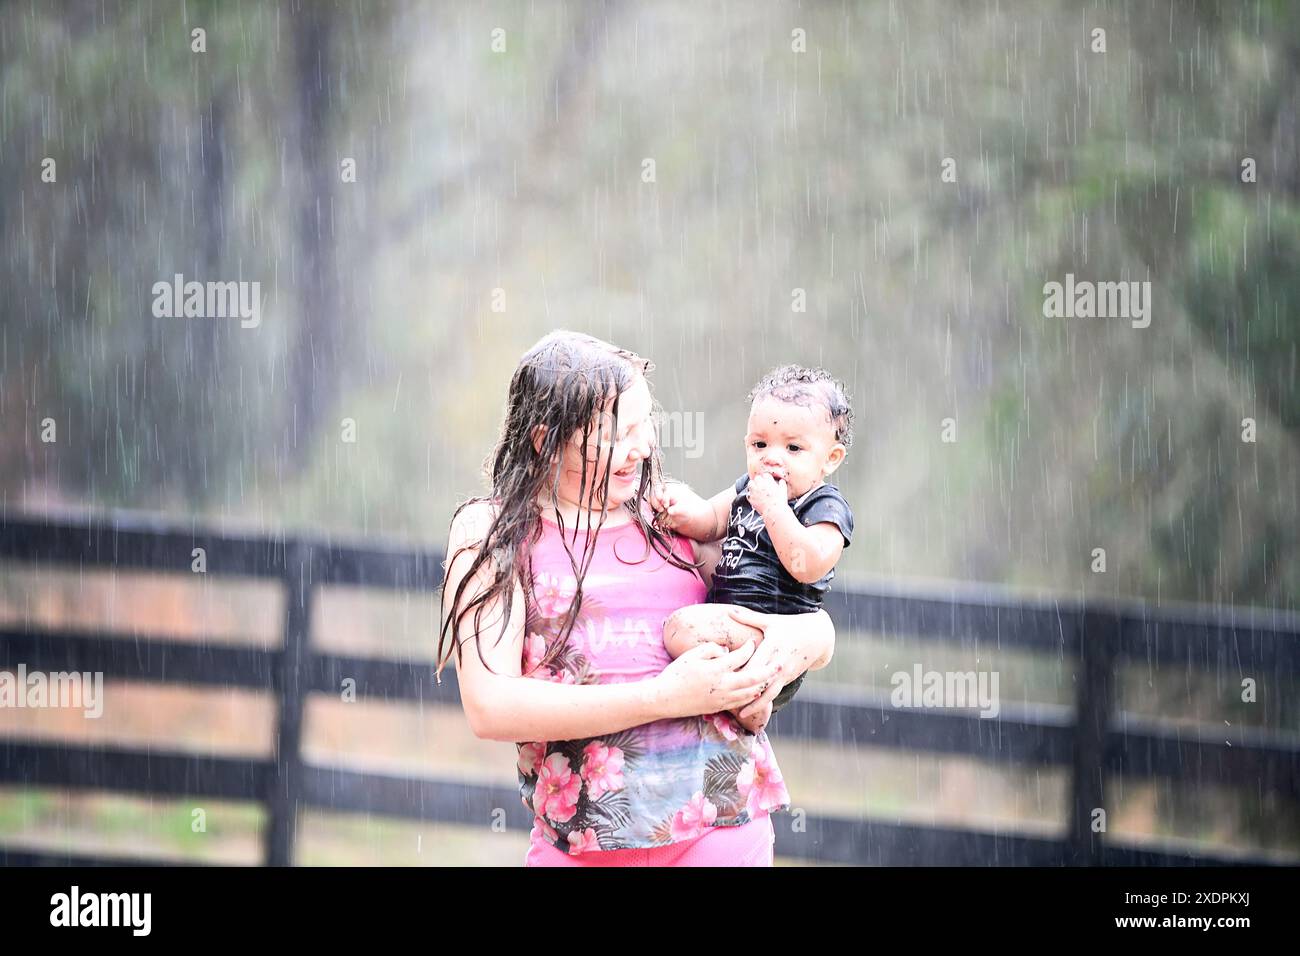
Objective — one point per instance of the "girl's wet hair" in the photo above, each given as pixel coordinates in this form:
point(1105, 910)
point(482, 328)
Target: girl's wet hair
point(810, 386)
point(563, 383)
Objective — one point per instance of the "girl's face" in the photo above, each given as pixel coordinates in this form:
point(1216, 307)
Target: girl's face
point(631, 446)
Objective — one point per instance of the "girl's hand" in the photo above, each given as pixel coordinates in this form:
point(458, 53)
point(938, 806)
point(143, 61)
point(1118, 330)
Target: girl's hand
point(767, 493)
point(709, 679)
point(783, 645)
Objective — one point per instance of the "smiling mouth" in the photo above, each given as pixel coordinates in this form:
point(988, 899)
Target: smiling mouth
point(627, 473)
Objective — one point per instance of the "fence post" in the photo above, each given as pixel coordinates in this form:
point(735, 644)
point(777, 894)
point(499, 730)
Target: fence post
point(295, 657)
point(1094, 703)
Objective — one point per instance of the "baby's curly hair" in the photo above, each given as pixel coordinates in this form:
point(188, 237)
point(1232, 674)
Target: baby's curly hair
point(806, 386)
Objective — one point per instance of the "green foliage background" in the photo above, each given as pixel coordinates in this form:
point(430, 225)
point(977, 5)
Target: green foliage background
point(775, 170)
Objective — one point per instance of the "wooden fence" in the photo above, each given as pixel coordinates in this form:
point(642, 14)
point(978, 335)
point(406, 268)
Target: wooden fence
point(1091, 739)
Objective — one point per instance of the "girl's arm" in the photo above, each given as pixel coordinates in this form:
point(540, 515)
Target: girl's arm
point(795, 642)
point(802, 642)
point(501, 704)
point(820, 634)
point(505, 705)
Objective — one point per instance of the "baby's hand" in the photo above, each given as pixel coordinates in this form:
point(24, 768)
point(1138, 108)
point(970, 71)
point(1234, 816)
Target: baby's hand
point(766, 493)
point(757, 717)
point(680, 509)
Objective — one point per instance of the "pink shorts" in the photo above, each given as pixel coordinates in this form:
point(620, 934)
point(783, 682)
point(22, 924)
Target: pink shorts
point(749, 844)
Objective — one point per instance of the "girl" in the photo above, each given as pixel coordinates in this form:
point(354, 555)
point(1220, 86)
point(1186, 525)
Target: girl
point(561, 582)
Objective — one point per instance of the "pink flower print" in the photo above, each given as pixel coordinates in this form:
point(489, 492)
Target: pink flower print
point(724, 724)
point(760, 782)
point(543, 828)
point(531, 757)
point(557, 790)
point(534, 651)
point(583, 841)
point(692, 819)
point(560, 676)
point(553, 595)
point(602, 768)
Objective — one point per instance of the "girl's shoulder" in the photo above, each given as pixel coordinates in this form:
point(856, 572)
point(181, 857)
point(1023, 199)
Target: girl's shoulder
point(473, 519)
point(470, 523)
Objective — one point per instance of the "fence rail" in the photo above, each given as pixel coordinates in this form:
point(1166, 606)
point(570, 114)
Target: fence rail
point(1091, 739)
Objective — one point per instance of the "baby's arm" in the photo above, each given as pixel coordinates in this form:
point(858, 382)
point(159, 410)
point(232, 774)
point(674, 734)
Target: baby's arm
point(806, 552)
point(689, 514)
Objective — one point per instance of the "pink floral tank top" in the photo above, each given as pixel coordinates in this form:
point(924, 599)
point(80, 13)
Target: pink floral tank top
point(651, 785)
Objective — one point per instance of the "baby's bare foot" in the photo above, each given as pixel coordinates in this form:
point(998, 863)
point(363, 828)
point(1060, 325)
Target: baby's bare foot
point(757, 720)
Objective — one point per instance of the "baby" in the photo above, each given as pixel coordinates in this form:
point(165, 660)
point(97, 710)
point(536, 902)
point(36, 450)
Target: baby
point(785, 527)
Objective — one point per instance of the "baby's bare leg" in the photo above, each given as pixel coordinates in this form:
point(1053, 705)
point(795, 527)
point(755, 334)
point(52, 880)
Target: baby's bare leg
point(706, 623)
point(757, 721)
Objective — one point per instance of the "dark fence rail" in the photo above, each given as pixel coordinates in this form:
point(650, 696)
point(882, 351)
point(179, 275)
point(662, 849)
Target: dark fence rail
point(1090, 739)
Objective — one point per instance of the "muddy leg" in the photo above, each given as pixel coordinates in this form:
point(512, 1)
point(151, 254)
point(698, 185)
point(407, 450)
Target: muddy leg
point(701, 623)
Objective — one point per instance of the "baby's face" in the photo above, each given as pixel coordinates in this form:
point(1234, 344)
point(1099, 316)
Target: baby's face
point(791, 442)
